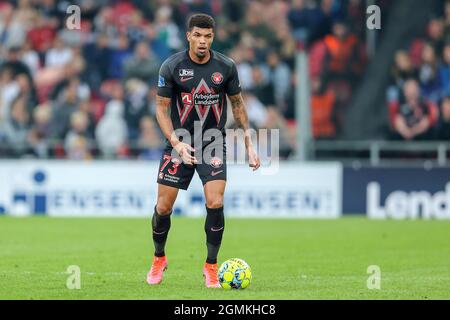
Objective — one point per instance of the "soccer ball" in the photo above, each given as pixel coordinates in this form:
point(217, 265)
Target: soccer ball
point(235, 274)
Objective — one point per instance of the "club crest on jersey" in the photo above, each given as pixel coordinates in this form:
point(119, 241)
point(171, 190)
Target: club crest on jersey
point(217, 78)
point(186, 72)
point(216, 162)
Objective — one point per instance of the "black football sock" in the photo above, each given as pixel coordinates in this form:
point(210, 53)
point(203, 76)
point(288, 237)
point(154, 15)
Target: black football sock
point(160, 226)
point(214, 226)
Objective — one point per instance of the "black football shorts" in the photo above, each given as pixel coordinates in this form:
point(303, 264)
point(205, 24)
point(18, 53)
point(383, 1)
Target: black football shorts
point(174, 173)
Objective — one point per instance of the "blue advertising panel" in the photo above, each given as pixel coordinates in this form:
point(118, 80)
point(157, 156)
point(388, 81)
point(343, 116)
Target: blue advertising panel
point(398, 193)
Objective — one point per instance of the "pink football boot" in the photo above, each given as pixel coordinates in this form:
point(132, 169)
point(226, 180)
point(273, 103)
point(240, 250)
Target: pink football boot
point(155, 275)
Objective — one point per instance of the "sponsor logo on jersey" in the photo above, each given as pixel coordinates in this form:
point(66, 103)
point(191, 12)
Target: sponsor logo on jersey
point(216, 162)
point(184, 79)
point(217, 78)
point(202, 98)
point(186, 72)
point(183, 112)
point(186, 98)
point(206, 99)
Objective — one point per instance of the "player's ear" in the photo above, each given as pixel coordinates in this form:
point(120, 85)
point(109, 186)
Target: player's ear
point(188, 36)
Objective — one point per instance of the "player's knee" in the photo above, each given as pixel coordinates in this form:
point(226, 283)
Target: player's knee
point(163, 208)
point(214, 202)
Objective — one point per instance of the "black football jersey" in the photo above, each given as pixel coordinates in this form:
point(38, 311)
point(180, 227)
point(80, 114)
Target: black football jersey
point(198, 91)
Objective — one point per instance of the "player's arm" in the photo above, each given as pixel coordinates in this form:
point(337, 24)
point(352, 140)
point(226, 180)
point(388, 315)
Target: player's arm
point(165, 123)
point(241, 119)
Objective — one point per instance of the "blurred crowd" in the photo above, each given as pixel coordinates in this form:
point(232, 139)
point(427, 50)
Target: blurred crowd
point(419, 91)
point(88, 93)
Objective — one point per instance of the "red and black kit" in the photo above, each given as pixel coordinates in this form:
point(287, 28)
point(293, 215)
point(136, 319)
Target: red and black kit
point(198, 93)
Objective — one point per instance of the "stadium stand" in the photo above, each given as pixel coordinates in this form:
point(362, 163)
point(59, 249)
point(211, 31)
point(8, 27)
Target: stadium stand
point(89, 93)
point(423, 67)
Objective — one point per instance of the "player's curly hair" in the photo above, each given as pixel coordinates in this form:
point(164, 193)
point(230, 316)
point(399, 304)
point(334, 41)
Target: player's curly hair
point(201, 20)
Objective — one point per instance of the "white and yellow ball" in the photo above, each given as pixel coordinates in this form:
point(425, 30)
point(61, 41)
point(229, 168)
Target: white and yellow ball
point(235, 273)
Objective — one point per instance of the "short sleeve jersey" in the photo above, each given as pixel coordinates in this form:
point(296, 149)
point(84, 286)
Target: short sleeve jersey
point(198, 91)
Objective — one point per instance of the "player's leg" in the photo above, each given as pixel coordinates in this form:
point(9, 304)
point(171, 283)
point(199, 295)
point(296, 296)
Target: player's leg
point(215, 220)
point(214, 227)
point(213, 173)
point(161, 217)
point(160, 229)
point(172, 176)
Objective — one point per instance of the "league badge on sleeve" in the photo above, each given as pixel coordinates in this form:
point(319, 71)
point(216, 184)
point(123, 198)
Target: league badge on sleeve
point(161, 82)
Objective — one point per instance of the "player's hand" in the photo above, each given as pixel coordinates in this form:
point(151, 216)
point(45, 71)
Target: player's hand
point(184, 150)
point(253, 159)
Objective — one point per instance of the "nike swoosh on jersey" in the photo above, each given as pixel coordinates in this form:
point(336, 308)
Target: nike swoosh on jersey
point(215, 173)
point(215, 230)
point(184, 79)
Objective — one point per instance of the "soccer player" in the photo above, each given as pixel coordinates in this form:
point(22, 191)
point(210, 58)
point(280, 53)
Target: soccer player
point(192, 89)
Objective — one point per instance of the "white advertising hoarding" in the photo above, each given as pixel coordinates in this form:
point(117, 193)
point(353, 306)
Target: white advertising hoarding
point(129, 188)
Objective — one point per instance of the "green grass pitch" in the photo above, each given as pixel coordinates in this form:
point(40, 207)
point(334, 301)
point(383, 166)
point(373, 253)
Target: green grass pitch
point(290, 259)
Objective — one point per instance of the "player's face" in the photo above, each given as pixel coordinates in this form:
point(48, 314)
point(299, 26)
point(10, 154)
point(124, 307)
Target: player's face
point(200, 41)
